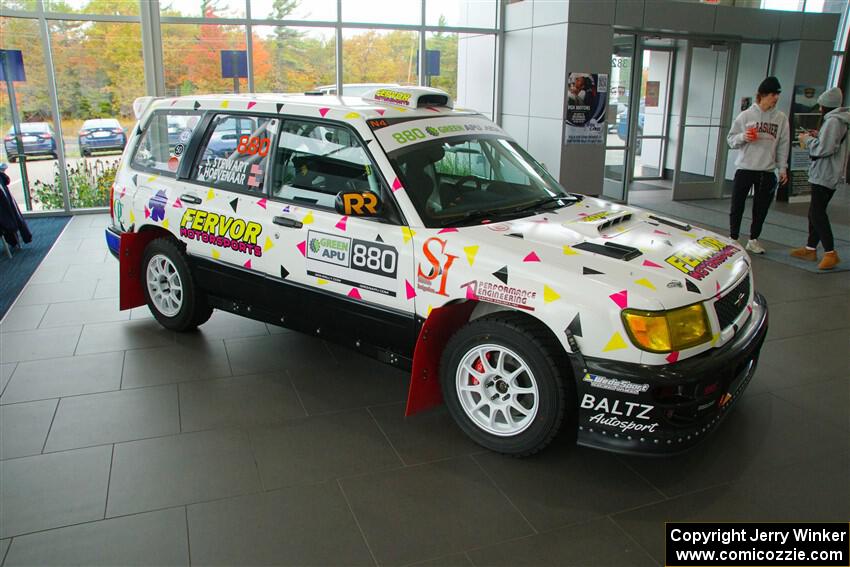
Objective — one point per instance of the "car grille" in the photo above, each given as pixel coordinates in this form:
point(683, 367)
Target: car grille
point(730, 306)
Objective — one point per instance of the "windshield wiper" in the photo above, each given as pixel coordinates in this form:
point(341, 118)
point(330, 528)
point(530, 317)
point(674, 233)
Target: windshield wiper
point(499, 213)
point(471, 216)
point(553, 199)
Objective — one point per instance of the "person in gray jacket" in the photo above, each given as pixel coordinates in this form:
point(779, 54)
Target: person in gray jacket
point(828, 150)
point(762, 137)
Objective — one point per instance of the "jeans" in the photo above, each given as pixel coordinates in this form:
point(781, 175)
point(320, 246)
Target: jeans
point(765, 184)
point(819, 227)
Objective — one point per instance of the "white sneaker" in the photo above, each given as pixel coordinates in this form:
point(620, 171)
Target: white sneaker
point(754, 246)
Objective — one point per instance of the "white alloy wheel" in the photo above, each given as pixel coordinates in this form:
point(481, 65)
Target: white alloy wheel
point(164, 285)
point(497, 390)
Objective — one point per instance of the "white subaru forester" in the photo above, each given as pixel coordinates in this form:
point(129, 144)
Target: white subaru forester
point(426, 237)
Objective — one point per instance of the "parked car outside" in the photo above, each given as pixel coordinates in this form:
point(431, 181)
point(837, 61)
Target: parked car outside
point(101, 134)
point(37, 137)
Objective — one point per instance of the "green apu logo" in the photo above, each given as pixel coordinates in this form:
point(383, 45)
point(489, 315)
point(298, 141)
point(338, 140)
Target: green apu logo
point(315, 245)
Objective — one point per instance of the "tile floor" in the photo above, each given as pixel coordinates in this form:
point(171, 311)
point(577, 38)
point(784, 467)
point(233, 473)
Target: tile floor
point(123, 443)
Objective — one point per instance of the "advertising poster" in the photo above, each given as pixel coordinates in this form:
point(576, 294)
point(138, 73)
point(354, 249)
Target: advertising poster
point(653, 89)
point(805, 117)
point(587, 104)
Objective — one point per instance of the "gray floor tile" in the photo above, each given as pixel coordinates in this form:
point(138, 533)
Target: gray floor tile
point(224, 325)
point(427, 511)
point(309, 525)
point(24, 427)
point(727, 503)
point(36, 294)
point(6, 371)
point(804, 360)
point(804, 317)
point(779, 282)
point(50, 491)
point(165, 365)
point(48, 274)
point(550, 489)
point(4, 547)
point(83, 312)
point(67, 243)
point(104, 271)
point(350, 444)
point(77, 257)
point(829, 400)
point(349, 380)
point(242, 401)
point(23, 318)
point(294, 352)
point(70, 376)
point(427, 436)
point(106, 289)
point(113, 417)
point(600, 542)
point(39, 344)
point(761, 433)
point(180, 469)
point(125, 335)
point(454, 560)
point(139, 312)
point(155, 539)
point(275, 330)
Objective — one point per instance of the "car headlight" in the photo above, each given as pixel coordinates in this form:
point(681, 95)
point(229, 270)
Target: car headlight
point(667, 331)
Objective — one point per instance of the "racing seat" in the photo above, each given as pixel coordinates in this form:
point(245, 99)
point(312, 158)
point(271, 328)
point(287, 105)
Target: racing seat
point(422, 179)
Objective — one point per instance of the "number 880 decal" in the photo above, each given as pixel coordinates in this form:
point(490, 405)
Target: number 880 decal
point(253, 145)
point(374, 258)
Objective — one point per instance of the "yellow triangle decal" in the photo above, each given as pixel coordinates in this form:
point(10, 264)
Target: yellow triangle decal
point(269, 244)
point(210, 195)
point(224, 104)
point(689, 234)
point(568, 250)
point(645, 283)
point(132, 217)
point(320, 281)
point(401, 109)
point(308, 219)
point(430, 308)
point(152, 178)
point(616, 343)
point(216, 254)
point(471, 251)
point(351, 115)
point(550, 294)
point(407, 233)
point(165, 223)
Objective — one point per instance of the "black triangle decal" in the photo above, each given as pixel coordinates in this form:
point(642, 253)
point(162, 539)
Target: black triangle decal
point(590, 271)
point(668, 243)
point(379, 239)
point(575, 325)
point(368, 142)
point(279, 106)
point(234, 203)
point(691, 286)
point(139, 130)
point(515, 235)
point(136, 180)
point(283, 272)
point(502, 275)
point(197, 105)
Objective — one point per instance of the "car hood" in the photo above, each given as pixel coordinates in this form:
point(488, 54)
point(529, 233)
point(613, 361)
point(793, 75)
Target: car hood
point(665, 263)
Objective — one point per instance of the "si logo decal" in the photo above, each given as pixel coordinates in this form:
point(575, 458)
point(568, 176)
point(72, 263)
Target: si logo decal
point(438, 267)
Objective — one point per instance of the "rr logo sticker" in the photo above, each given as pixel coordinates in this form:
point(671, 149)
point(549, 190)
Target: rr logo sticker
point(354, 203)
point(437, 268)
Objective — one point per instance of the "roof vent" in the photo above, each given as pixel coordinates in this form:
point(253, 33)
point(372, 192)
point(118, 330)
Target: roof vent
point(410, 97)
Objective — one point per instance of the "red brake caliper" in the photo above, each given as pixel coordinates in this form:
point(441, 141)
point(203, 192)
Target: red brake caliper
point(479, 366)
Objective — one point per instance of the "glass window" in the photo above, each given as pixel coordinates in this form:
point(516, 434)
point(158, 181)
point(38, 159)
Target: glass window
point(202, 8)
point(312, 10)
point(463, 65)
point(294, 60)
point(316, 161)
point(379, 56)
point(164, 141)
point(120, 8)
point(395, 12)
point(826, 6)
point(35, 180)
point(235, 153)
point(787, 5)
point(192, 55)
point(461, 13)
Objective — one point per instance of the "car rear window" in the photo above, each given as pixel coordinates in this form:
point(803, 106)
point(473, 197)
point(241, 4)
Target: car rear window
point(164, 141)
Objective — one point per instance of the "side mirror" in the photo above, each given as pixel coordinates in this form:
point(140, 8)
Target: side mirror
point(357, 204)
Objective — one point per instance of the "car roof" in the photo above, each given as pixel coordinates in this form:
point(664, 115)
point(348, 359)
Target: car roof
point(100, 121)
point(32, 127)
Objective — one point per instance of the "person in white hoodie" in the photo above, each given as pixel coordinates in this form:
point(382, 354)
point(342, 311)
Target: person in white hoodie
point(828, 150)
point(762, 137)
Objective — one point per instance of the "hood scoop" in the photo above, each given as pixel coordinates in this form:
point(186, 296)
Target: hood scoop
point(611, 221)
point(594, 225)
point(610, 249)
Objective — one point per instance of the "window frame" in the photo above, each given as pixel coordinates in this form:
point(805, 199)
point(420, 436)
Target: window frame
point(189, 146)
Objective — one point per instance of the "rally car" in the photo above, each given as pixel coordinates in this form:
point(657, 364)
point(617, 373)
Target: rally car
point(424, 236)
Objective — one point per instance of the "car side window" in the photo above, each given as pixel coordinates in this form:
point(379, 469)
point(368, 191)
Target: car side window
point(316, 161)
point(164, 141)
point(235, 152)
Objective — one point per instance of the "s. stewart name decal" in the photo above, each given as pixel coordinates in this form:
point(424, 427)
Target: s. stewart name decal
point(701, 258)
point(222, 231)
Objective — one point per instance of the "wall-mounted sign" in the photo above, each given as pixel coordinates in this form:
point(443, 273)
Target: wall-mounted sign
point(653, 91)
point(587, 103)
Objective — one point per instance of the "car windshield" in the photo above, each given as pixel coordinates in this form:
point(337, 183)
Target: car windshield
point(470, 179)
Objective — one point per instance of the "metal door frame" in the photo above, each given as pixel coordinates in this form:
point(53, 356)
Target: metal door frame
point(707, 189)
point(665, 133)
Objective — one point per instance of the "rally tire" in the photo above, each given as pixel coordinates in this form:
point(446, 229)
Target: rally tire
point(164, 272)
point(524, 342)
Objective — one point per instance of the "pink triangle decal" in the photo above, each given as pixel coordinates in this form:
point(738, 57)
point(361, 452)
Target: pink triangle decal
point(532, 257)
point(342, 222)
point(446, 230)
point(673, 356)
point(651, 264)
point(380, 111)
point(396, 185)
point(354, 294)
point(323, 111)
point(432, 109)
point(656, 231)
point(247, 264)
point(411, 293)
point(470, 292)
point(147, 213)
point(178, 204)
point(251, 105)
point(262, 203)
point(620, 298)
point(173, 102)
point(302, 247)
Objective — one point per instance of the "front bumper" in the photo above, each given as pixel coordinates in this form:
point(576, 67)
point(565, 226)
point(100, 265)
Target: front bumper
point(642, 409)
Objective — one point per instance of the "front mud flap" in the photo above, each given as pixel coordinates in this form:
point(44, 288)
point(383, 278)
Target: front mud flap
point(131, 277)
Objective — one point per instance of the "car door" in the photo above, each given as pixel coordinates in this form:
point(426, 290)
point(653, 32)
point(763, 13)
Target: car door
point(356, 268)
